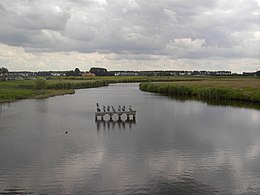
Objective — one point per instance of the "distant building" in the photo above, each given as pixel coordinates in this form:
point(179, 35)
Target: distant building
point(100, 71)
point(257, 73)
point(223, 73)
point(87, 74)
point(249, 73)
point(124, 73)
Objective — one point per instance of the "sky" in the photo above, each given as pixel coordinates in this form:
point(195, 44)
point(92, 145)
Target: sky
point(41, 35)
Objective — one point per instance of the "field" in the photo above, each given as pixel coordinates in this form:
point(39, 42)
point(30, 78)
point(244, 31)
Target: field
point(222, 88)
point(24, 89)
point(219, 88)
point(129, 79)
point(17, 90)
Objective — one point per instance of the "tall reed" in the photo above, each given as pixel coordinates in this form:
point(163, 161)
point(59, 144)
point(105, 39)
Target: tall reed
point(208, 92)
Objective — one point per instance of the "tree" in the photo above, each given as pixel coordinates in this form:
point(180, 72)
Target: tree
point(3, 71)
point(76, 72)
point(40, 84)
point(70, 73)
point(99, 71)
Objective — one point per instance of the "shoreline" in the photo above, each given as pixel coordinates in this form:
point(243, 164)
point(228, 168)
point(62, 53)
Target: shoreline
point(204, 92)
point(245, 90)
point(12, 91)
point(52, 93)
point(15, 91)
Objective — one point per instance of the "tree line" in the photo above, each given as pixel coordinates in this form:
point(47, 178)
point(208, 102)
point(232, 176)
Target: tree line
point(3, 71)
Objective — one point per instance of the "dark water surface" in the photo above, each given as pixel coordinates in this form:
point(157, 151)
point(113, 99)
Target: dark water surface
point(174, 147)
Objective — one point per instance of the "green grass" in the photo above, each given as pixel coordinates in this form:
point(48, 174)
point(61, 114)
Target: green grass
point(130, 79)
point(234, 88)
point(242, 89)
point(9, 95)
point(17, 90)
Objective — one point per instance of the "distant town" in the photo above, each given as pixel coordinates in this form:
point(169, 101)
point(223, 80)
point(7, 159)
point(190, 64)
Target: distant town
point(97, 71)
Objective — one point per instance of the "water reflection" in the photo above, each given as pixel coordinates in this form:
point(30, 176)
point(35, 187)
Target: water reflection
point(41, 105)
point(3, 107)
point(175, 147)
point(216, 102)
point(179, 185)
point(15, 191)
point(112, 124)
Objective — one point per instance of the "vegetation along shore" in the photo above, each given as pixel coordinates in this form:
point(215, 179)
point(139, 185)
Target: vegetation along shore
point(44, 87)
point(41, 88)
point(219, 88)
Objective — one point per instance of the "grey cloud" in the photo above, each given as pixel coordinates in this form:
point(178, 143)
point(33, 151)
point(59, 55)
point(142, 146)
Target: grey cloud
point(34, 15)
point(131, 27)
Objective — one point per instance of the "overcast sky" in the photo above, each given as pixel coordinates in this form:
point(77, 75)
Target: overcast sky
point(130, 34)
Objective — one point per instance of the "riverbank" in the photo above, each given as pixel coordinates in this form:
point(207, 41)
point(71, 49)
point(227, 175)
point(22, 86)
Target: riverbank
point(16, 90)
point(223, 88)
point(241, 89)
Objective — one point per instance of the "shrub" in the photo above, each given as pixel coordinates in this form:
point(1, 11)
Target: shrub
point(41, 84)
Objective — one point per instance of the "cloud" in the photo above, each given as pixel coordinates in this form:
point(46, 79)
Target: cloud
point(175, 29)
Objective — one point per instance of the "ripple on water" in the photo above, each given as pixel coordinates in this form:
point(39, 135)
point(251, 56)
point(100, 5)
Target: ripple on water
point(174, 147)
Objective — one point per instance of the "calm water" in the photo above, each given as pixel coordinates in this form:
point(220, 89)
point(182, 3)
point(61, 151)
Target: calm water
point(173, 148)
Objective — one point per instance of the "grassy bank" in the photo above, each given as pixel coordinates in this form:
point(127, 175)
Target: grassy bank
point(17, 90)
point(242, 89)
point(134, 79)
point(9, 95)
point(229, 88)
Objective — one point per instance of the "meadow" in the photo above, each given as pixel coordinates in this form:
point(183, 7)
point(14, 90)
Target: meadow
point(42, 88)
point(24, 89)
point(218, 88)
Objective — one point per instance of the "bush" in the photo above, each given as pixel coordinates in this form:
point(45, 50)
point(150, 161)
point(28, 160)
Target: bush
point(203, 92)
point(41, 84)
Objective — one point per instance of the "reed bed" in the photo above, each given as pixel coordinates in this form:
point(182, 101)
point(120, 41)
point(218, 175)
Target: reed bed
point(227, 89)
point(17, 90)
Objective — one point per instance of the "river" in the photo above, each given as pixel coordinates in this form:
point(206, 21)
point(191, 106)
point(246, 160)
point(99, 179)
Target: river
point(173, 147)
